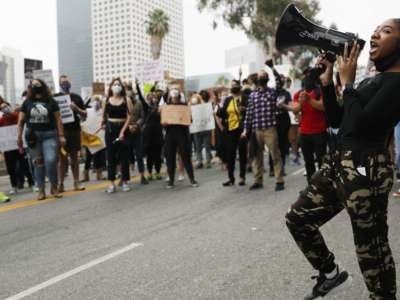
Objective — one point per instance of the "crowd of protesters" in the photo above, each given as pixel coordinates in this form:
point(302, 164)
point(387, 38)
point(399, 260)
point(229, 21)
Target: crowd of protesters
point(251, 117)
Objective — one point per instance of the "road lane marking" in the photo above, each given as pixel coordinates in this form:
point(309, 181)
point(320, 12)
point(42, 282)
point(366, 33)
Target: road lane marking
point(298, 172)
point(34, 202)
point(73, 272)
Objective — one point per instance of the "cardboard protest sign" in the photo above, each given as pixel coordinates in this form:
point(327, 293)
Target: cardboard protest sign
point(202, 118)
point(64, 102)
point(98, 88)
point(176, 115)
point(149, 71)
point(8, 138)
point(47, 77)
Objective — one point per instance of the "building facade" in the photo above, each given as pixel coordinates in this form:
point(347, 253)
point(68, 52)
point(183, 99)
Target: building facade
point(75, 42)
point(120, 39)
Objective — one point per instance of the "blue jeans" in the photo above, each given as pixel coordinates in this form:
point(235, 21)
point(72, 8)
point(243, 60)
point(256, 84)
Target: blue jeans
point(203, 140)
point(44, 156)
point(397, 146)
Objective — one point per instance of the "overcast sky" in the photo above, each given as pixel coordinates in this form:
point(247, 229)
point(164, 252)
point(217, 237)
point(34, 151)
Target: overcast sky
point(30, 26)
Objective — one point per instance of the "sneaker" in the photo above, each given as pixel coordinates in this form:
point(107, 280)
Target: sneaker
point(325, 285)
point(256, 186)
point(35, 189)
point(78, 187)
point(13, 191)
point(158, 176)
point(242, 182)
point(170, 186)
point(111, 189)
point(280, 186)
point(143, 180)
point(181, 178)
point(194, 183)
point(125, 187)
point(166, 179)
point(150, 177)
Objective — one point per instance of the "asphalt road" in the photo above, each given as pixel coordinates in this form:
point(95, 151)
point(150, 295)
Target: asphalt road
point(151, 243)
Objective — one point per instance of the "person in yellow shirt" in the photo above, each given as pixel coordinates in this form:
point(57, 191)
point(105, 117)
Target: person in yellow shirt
point(232, 115)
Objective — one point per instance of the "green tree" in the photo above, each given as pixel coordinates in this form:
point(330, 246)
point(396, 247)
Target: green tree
point(157, 28)
point(222, 80)
point(258, 19)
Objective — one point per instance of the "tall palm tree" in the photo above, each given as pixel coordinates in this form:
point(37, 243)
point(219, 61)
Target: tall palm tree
point(157, 28)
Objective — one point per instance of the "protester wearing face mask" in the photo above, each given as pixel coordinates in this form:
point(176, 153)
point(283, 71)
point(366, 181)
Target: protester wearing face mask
point(313, 126)
point(261, 118)
point(177, 139)
point(116, 120)
point(233, 114)
point(203, 139)
point(16, 163)
point(72, 133)
point(44, 134)
point(282, 122)
point(153, 139)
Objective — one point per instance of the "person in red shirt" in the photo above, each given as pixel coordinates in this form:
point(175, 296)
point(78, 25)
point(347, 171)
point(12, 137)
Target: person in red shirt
point(16, 163)
point(313, 125)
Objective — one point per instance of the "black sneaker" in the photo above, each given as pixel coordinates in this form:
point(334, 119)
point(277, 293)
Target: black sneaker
point(194, 183)
point(199, 166)
point(325, 285)
point(170, 186)
point(256, 186)
point(280, 186)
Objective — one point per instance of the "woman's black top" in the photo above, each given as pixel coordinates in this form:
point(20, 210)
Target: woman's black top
point(40, 113)
point(368, 113)
point(116, 111)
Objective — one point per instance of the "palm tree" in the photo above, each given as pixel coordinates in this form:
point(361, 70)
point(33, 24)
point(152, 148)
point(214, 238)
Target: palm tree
point(157, 28)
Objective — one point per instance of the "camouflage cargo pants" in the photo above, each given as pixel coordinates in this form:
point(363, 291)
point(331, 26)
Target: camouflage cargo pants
point(341, 184)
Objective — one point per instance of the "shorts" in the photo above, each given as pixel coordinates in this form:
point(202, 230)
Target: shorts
point(72, 140)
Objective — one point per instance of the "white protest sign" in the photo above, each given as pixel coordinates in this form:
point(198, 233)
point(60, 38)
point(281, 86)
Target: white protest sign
point(64, 102)
point(86, 92)
point(47, 77)
point(149, 71)
point(202, 118)
point(8, 138)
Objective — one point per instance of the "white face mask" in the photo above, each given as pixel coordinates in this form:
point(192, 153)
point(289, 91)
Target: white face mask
point(116, 89)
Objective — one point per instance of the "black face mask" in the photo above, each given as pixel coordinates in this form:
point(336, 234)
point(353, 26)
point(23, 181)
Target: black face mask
point(387, 62)
point(37, 90)
point(236, 90)
point(263, 81)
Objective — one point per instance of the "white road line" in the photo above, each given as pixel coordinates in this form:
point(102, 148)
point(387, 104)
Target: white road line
point(73, 272)
point(298, 172)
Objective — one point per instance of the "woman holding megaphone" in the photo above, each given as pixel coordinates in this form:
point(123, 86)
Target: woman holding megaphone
point(359, 175)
